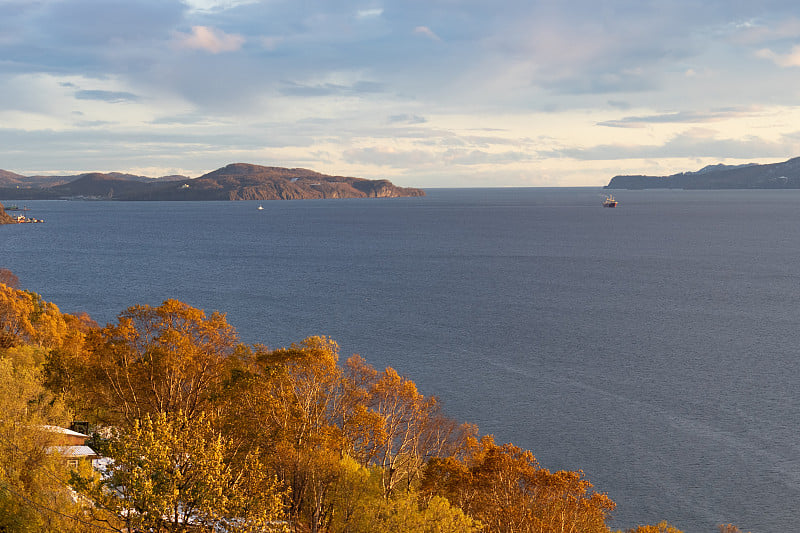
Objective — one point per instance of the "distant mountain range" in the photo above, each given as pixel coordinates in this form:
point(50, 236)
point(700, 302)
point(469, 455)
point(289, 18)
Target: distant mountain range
point(237, 181)
point(784, 175)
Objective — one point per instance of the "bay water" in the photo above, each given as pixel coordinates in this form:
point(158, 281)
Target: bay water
point(653, 346)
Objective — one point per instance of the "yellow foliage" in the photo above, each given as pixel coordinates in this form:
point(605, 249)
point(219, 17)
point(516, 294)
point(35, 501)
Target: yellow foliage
point(26, 319)
point(159, 359)
point(169, 471)
point(360, 507)
point(341, 449)
point(33, 495)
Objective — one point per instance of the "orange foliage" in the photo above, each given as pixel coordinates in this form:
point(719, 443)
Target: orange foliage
point(27, 319)
point(159, 360)
point(395, 427)
point(505, 488)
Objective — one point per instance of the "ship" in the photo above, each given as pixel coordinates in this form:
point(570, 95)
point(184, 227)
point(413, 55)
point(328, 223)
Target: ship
point(610, 201)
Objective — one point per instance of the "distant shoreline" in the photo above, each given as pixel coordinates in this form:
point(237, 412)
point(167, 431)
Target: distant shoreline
point(238, 181)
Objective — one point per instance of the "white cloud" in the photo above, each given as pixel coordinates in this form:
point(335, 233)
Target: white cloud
point(688, 117)
point(405, 118)
point(427, 32)
point(790, 59)
point(399, 87)
point(216, 5)
point(209, 39)
point(750, 32)
point(112, 97)
point(369, 13)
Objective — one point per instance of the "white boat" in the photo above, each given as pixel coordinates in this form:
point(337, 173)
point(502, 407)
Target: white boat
point(261, 208)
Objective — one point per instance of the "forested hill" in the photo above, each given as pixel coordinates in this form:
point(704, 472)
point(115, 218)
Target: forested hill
point(237, 181)
point(785, 175)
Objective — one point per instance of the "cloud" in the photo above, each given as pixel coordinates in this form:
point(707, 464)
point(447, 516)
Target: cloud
point(216, 5)
point(754, 32)
point(369, 13)
point(691, 144)
point(371, 70)
point(427, 32)
point(481, 157)
point(270, 43)
point(183, 120)
point(411, 158)
point(619, 104)
point(407, 119)
point(390, 157)
point(330, 89)
point(112, 97)
point(80, 23)
point(677, 117)
point(209, 39)
point(790, 59)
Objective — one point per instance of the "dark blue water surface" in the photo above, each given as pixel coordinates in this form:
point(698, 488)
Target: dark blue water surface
point(655, 346)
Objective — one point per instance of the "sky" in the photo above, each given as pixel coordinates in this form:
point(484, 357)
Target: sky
point(433, 93)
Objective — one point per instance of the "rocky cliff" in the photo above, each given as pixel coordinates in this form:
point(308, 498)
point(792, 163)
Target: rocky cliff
point(5, 218)
point(237, 181)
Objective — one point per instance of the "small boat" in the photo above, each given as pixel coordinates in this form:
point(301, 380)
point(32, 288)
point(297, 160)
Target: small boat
point(610, 201)
point(261, 208)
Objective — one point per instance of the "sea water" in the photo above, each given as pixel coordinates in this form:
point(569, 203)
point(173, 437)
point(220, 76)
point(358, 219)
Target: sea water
point(654, 346)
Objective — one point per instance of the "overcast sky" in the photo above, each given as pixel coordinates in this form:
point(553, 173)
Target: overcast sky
point(430, 93)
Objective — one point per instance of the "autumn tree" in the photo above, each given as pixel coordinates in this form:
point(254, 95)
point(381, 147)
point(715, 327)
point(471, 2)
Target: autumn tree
point(505, 488)
point(170, 474)
point(65, 365)
point(30, 324)
point(25, 318)
point(361, 507)
point(290, 407)
point(161, 359)
point(34, 494)
point(396, 427)
point(307, 414)
point(8, 278)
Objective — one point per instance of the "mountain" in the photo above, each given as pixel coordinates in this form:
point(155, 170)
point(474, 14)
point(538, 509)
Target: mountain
point(237, 181)
point(784, 175)
point(7, 177)
point(10, 179)
point(13, 180)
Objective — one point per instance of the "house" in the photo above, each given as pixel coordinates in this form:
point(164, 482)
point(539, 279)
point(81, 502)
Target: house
point(72, 445)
